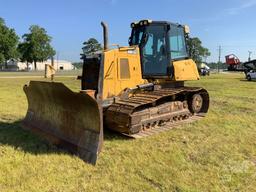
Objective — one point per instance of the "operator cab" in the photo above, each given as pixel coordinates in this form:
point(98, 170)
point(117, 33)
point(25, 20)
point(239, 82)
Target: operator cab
point(160, 44)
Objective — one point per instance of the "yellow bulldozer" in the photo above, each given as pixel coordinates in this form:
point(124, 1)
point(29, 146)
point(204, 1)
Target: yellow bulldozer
point(137, 90)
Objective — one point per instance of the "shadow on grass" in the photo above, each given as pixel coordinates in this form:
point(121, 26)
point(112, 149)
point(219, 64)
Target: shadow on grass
point(247, 80)
point(12, 134)
point(112, 135)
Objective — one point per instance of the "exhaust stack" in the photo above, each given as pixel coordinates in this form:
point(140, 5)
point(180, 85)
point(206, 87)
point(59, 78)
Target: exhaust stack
point(105, 35)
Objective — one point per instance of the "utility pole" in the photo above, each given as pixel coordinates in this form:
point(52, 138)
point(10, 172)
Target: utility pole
point(250, 53)
point(219, 50)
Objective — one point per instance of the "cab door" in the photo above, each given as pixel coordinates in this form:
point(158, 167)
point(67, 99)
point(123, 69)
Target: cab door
point(154, 54)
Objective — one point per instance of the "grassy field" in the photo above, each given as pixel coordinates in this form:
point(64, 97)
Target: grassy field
point(217, 153)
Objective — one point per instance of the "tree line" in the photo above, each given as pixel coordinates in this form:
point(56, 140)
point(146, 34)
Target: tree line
point(35, 46)
point(195, 48)
point(32, 48)
point(194, 45)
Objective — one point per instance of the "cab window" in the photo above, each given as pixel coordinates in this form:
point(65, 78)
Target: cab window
point(177, 43)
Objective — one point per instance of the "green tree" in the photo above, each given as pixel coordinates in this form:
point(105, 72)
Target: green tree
point(8, 43)
point(91, 46)
point(1, 21)
point(78, 65)
point(24, 49)
point(36, 46)
point(196, 50)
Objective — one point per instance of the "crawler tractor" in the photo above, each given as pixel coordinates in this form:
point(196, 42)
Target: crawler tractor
point(137, 90)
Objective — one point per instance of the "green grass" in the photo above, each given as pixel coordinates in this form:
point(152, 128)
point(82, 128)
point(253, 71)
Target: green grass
point(217, 153)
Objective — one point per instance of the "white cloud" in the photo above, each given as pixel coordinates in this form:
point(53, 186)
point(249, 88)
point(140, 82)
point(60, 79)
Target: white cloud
point(112, 2)
point(246, 4)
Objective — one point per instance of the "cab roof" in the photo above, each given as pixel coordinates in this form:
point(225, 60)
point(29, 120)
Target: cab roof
point(150, 22)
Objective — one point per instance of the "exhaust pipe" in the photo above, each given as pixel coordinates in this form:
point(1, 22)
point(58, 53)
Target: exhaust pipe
point(105, 35)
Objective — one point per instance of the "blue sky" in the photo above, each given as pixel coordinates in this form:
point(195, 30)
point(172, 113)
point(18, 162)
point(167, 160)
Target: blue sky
point(229, 23)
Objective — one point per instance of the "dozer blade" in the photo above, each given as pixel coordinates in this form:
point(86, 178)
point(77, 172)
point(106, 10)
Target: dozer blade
point(70, 120)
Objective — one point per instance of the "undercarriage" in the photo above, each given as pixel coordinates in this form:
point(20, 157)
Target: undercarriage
point(147, 112)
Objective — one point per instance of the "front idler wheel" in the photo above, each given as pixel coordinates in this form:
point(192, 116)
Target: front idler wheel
point(196, 103)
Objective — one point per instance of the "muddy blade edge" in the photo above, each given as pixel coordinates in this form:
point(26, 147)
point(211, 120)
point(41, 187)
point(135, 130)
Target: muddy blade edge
point(72, 121)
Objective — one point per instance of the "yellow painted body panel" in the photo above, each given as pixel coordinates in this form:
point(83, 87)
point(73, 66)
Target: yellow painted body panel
point(113, 83)
point(185, 70)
